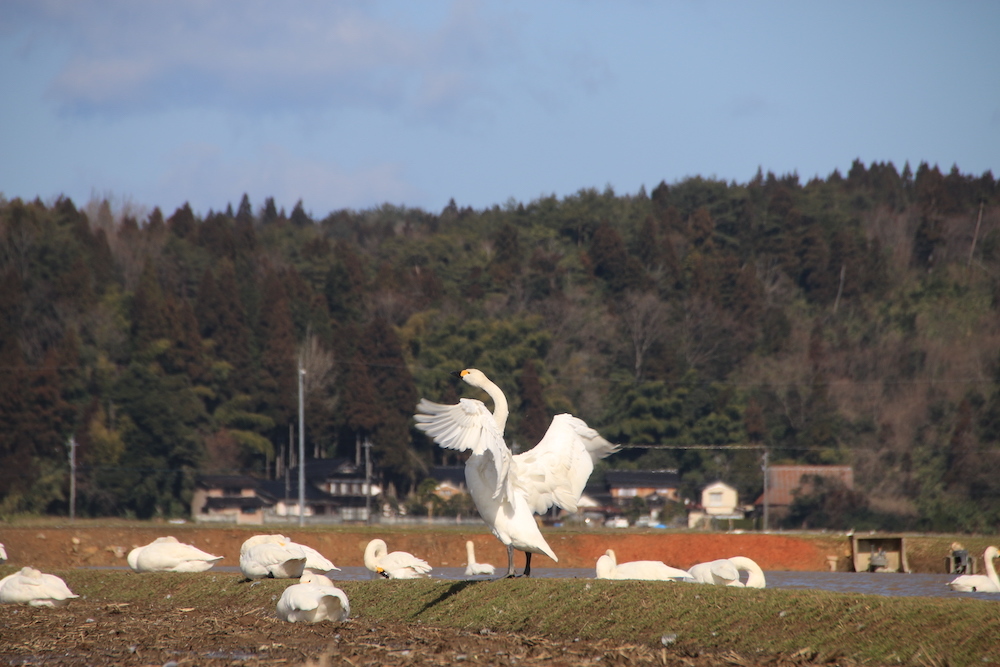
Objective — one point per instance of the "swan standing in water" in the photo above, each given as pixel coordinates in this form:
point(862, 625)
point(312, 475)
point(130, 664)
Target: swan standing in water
point(979, 583)
point(395, 565)
point(32, 587)
point(167, 554)
point(312, 600)
point(648, 570)
point(474, 568)
point(509, 490)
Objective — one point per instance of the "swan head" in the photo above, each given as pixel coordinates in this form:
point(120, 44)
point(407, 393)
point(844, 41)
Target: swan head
point(473, 376)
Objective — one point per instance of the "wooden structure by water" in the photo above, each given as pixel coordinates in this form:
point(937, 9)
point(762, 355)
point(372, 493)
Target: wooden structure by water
point(879, 553)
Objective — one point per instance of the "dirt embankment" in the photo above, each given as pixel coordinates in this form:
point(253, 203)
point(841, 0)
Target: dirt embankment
point(79, 544)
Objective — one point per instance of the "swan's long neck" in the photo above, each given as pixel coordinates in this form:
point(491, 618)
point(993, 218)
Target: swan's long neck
point(471, 552)
point(990, 570)
point(500, 408)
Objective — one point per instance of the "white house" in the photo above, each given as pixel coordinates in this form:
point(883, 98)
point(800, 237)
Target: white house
point(718, 501)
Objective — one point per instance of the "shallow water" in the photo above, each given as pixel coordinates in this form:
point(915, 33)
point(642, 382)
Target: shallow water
point(866, 583)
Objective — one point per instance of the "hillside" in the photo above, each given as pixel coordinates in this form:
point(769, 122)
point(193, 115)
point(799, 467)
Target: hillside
point(846, 320)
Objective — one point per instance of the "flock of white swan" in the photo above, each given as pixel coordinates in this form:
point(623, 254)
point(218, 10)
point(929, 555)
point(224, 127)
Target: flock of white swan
point(507, 489)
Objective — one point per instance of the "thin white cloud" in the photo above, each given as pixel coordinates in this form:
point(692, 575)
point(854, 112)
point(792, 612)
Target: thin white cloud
point(127, 57)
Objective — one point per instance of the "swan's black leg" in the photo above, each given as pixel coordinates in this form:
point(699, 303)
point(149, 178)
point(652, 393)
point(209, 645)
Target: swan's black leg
point(510, 562)
point(527, 563)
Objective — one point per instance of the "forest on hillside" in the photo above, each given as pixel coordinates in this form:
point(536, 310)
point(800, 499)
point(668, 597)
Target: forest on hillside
point(849, 320)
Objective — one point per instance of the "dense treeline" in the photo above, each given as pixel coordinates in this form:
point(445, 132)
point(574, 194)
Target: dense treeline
point(848, 320)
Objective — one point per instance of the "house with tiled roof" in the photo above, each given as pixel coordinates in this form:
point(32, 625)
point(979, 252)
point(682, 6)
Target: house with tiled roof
point(783, 481)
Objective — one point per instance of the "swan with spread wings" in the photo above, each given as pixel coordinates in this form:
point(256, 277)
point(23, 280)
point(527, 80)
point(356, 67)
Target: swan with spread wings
point(508, 489)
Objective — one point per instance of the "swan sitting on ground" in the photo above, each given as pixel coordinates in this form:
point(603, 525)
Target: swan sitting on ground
point(726, 572)
point(979, 583)
point(720, 572)
point(509, 490)
point(755, 575)
point(395, 565)
point(167, 554)
point(312, 600)
point(272, 556)
point(474, 568)
point(32, 587)
point(649, 570)
point(279, 557)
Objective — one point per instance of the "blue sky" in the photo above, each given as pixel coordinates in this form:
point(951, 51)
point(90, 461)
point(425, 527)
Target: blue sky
point(354, 104)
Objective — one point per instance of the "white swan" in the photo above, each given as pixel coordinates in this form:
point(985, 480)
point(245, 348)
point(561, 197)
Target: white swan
point(167, 554)
point(755, 575)
point(273, 556)
point(395, 565)
point(312, 600)
point(3, 555)
point(473, 568)
point(35, 588)
point(650, 570)
point(979, 583)
point(720, 572)
point(508, 490)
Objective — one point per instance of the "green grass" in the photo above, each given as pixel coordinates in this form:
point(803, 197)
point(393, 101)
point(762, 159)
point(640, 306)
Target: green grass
point(820, 625)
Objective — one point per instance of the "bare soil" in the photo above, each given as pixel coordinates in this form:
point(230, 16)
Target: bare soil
point(95, 633)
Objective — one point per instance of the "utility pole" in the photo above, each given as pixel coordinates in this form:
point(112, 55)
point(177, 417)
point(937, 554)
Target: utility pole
point(302, 448)
point(765, 491)
point(368, 481)
point(72, 477)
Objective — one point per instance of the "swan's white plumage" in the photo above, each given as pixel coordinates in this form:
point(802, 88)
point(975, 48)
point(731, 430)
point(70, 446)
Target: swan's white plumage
point(979, 583)
point(32, 587)
point(649, 570)
point(3, 555)
point(167, 554)
point(720, 572)
point(506, 489)
point(473, 568)
point(273, 556)
point(755, 575)
point(312, 600)
point(395, 565)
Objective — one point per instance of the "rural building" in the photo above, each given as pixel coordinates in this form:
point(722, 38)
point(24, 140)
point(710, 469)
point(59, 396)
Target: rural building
point(783, 481)
point(719, 501)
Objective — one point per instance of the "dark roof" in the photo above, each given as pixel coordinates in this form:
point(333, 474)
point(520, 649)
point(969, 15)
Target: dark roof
point(453, 474)
point(276, 490)
point(242, 502)
point(227, 481)
point(324, 469)
point(656, 479)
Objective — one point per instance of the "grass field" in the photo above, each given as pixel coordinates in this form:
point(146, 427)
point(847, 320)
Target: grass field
point(145, 618)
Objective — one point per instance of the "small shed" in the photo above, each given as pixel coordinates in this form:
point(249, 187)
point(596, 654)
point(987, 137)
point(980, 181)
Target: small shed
point(879, 553)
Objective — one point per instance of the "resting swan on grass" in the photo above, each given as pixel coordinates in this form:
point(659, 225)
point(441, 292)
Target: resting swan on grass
point(726, 572)
point(648, 570)
point(473, 568)
point(979, 583)
point(32, 587)
point(509, 490)
point(278, 557)
point(312, 600)
point(167, 554)
point(395, 565)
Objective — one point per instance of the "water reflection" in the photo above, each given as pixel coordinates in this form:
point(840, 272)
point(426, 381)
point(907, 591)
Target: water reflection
point(867, 583)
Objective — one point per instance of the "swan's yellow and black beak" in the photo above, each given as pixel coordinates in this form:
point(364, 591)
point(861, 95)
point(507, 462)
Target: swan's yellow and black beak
point(458, 374)
point(382, 572)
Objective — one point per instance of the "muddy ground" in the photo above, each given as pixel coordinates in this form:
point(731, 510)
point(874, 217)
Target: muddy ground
point(93, 633)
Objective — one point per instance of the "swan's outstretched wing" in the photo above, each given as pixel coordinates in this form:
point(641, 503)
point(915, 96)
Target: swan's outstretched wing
point(556, 470)
point(467, 425)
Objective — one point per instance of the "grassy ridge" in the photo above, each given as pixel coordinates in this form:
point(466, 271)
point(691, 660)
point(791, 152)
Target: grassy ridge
point(821, 625)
